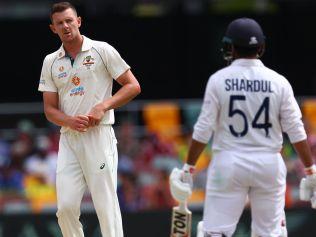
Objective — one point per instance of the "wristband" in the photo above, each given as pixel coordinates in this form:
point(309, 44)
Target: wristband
point(188, 168)
point(310, 170)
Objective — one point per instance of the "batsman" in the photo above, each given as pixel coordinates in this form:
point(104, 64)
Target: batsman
point(246, 109)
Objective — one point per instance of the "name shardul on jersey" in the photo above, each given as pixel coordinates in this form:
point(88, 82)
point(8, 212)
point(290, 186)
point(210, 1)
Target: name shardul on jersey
point(236, 84)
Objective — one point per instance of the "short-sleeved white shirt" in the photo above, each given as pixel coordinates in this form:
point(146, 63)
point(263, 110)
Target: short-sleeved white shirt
point(86, 82)
point(246, 107)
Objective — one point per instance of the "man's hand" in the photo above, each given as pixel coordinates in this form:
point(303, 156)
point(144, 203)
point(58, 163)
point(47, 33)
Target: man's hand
point(308, 186)
point(181, 183)
point(96, 114)
point(79, 123)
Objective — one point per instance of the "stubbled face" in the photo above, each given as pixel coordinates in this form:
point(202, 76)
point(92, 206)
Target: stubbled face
point(66, 24)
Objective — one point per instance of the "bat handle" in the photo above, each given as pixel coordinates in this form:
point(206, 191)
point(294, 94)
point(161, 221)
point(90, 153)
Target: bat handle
point(183, 206)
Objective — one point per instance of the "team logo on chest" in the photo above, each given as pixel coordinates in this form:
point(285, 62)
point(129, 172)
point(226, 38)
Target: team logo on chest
point(88, 61)
point(75, 80)
point(78, 90)
point(62, 74)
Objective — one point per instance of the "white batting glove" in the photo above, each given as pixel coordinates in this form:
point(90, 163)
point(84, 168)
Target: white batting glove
point(199, 229)
point(181, 183)
point(308, 186)
point(305, 190)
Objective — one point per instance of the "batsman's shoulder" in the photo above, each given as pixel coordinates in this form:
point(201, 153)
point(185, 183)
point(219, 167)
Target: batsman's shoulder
point(276, 76)
point(219, 74)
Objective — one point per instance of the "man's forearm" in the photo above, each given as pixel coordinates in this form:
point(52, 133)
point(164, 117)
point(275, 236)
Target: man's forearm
point(303, 150)
point(195, 150)
point(56, 116)
point(125, 94)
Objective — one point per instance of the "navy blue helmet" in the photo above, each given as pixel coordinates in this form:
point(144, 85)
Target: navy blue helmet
point(243, 33)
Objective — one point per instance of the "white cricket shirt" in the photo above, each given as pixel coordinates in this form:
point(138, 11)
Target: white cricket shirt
point(86, 82)
point(246, 107)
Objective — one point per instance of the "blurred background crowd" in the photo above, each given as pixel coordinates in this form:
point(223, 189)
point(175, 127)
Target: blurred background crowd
point(153, 137)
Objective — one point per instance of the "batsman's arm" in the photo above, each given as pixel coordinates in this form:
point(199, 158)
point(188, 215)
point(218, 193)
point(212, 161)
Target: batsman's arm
point(195, 150)
point(303, 150)
point(206, 123)
point(181, 181)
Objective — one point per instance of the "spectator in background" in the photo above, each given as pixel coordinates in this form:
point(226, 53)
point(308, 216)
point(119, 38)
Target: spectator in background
point(129, 141)
point(150, 147)
point(4, 153)
point(157, 194)
point(42, 163)
point(11, 179)
point(40, 172)
point(128, 192)
point(4, 163)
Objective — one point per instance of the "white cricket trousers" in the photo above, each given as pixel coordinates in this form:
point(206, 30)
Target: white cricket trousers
point(232, 178)
point(88, 160)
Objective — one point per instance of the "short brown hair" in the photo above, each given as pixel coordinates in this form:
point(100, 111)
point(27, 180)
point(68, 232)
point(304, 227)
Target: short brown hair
point(60, 7)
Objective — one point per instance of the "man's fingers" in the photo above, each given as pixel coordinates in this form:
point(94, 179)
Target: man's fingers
point(93, 121)
point(84, 123)
point(83, 117)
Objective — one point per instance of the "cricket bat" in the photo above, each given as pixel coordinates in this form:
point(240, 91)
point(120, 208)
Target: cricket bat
point(181, 221)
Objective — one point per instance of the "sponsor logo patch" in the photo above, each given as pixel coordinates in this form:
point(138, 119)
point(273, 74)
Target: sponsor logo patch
point(62, 75)
point(77, 91)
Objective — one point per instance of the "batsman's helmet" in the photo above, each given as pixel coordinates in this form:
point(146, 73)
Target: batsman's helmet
point(243, 33)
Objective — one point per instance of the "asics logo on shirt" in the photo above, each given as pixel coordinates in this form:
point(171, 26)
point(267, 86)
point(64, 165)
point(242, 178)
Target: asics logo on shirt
point(102, 166)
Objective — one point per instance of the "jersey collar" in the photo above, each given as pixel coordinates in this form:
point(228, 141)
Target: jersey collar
point(86, 45)
point(61, 52)
point(247, 62)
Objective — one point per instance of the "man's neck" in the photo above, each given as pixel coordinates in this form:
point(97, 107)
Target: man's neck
point(74, 47)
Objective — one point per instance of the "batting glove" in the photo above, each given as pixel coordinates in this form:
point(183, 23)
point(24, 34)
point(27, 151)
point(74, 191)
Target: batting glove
point(181, 183)
point(308, 186)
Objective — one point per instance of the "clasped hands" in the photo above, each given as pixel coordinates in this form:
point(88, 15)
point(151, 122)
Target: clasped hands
point(81, 123)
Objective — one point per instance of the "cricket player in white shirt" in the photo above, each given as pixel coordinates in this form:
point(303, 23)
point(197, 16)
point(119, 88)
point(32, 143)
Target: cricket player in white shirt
point(76, 82)
point(246, 108)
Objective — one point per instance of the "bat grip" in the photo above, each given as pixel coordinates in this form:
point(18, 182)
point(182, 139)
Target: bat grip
point(183, 206)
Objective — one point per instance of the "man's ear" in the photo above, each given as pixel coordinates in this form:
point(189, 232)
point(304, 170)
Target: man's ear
point(52, 28)
point(79, 21)
point(234, 53)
